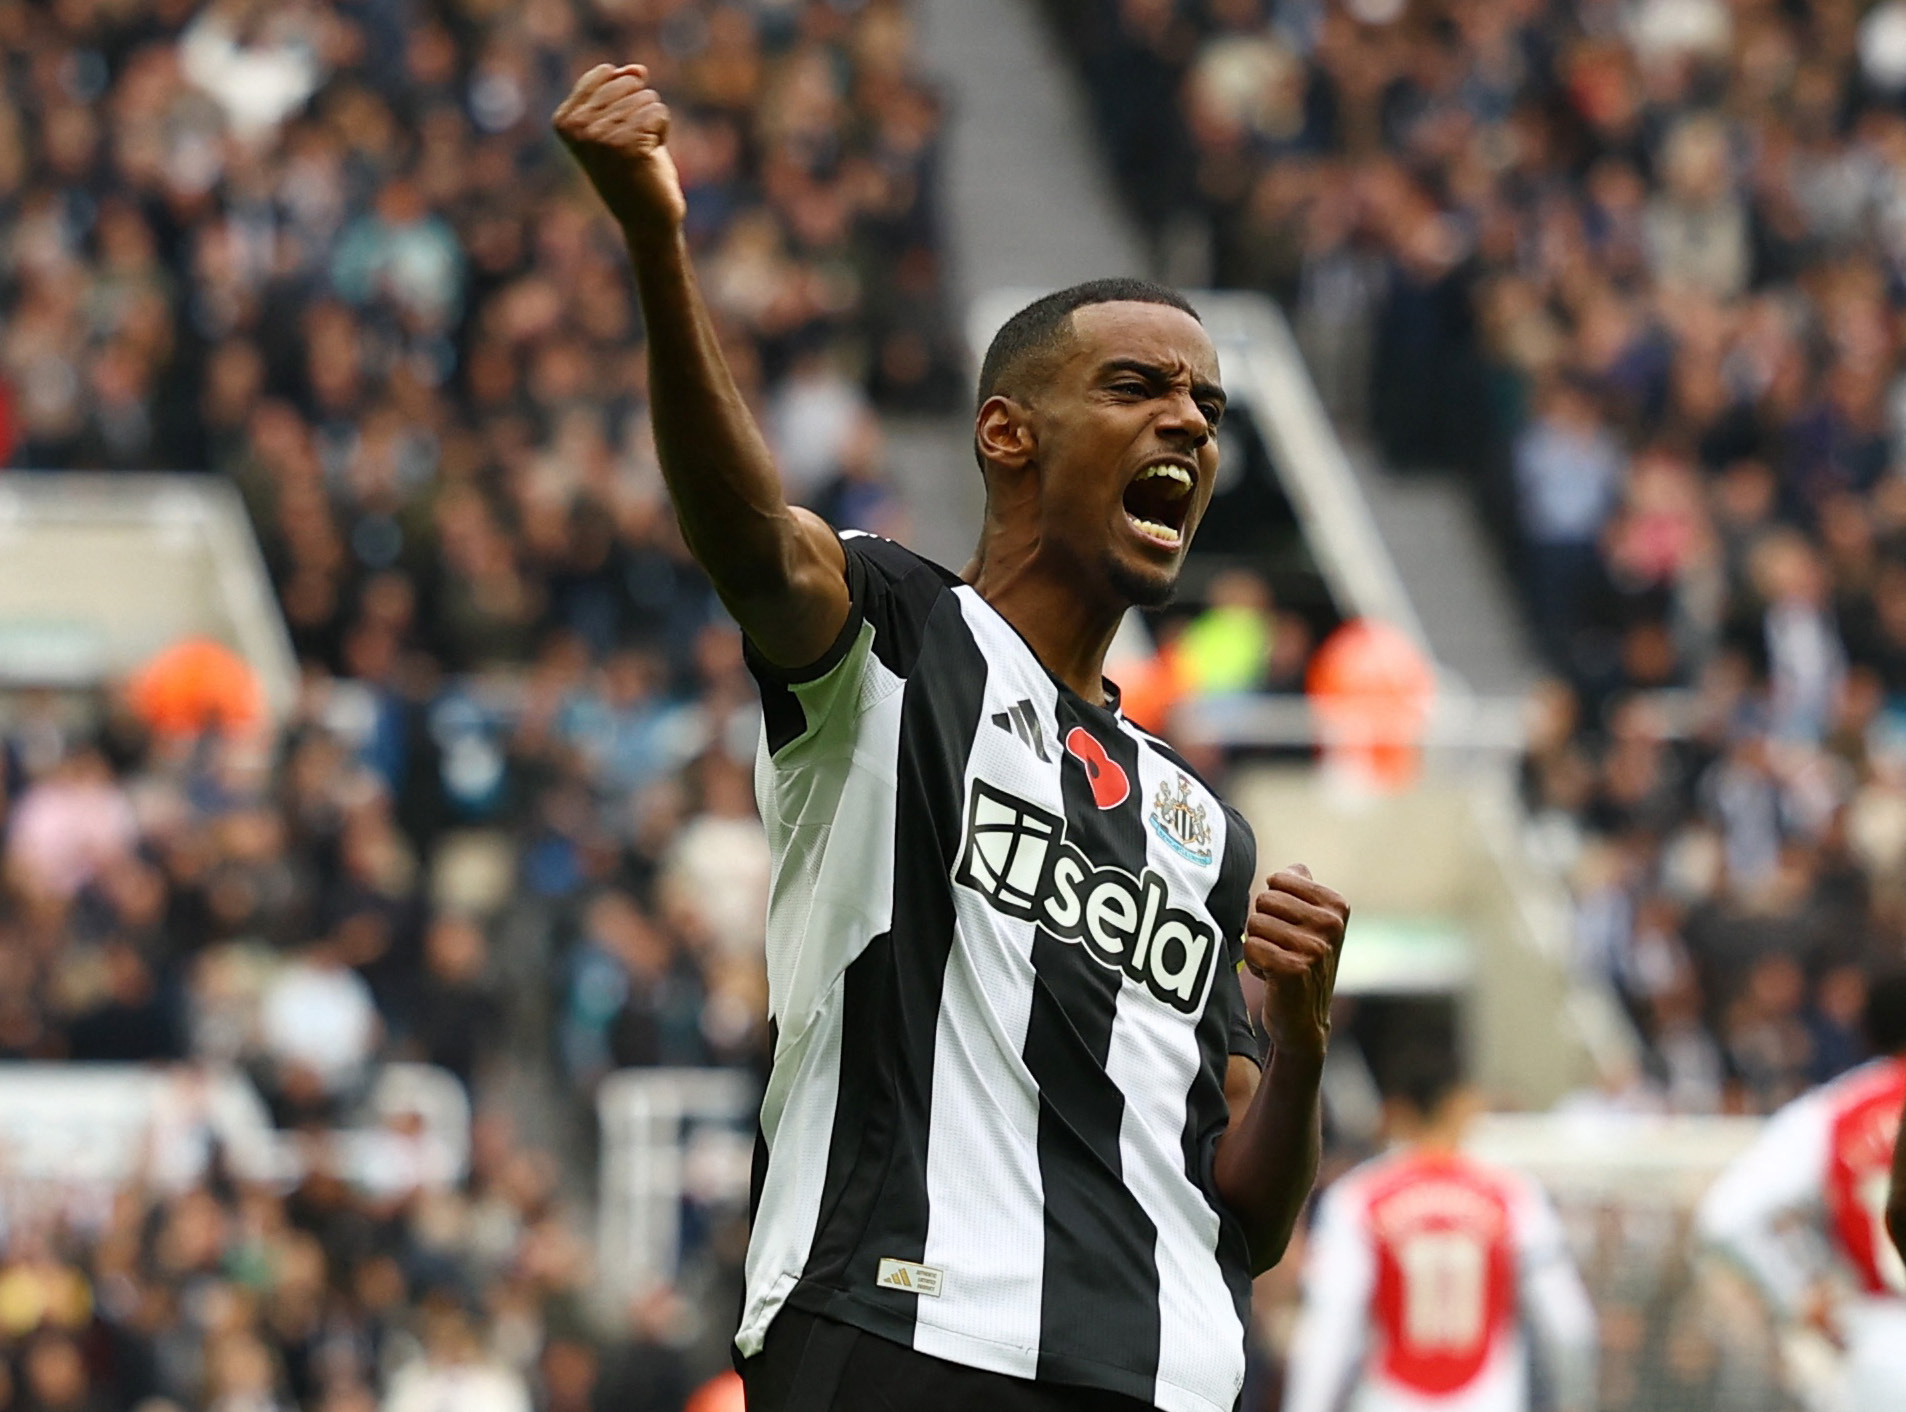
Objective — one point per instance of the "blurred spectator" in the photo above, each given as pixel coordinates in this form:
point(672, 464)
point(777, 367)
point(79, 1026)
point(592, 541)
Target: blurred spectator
point(1227, 647)
point(197, 686)
point(453, 1369)
point(646, 1372)
point(1568, 473)
point(635, 996)
point(714, 881)
point(1838, 1039)
point(722, 1393)
point(626, 732)
point(1806, 664)
point(1696, 226)
point(400, 251)
point(56, 1377)
point(317, 1031)
point(1767, 1043)
point(1238, 641)
point(458, 1016)
point(129, 1022)
point(68, 828)
point(1690, 1067)
point(813, 418)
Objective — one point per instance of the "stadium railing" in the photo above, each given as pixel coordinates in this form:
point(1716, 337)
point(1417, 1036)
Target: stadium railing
point(677, 1148)
point(73, 1135)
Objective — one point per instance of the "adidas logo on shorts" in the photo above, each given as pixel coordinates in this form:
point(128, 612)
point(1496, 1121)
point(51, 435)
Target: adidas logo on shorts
point(911, 1277)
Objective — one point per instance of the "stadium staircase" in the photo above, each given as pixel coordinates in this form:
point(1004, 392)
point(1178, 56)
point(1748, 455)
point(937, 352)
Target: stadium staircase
point(1026, 205)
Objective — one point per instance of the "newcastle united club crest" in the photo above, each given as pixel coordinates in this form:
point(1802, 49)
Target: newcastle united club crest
point(1181, 823)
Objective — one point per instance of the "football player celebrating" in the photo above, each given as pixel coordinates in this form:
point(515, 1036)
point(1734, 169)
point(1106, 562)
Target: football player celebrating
point(1017, 1150)
point(1823, 1162)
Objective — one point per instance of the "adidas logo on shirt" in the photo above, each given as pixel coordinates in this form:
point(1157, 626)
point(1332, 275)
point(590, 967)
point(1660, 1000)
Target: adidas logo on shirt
point(1019, 719)
point(1018, 858)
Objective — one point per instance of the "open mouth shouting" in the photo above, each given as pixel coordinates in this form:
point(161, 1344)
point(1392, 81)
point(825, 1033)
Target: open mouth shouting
point(1158, 500)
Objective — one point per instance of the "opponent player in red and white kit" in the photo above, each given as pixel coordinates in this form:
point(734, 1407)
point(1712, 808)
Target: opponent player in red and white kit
point(1431, 1278)
point(1822, 1163)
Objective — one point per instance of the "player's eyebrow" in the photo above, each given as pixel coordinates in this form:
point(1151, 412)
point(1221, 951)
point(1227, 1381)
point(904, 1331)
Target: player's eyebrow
point(1161, 377)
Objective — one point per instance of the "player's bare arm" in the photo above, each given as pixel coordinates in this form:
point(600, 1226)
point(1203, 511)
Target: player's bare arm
point(1896, 1197)
point(1267, 1161)
point(779, 569)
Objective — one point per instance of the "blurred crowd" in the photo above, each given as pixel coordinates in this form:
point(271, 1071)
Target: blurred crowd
point(1631, 266)
point(331, 252)
point(217, 902)
point(1636, 269)
point(241, 1296)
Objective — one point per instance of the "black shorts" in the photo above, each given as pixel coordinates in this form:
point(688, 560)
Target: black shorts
point(809, 1364)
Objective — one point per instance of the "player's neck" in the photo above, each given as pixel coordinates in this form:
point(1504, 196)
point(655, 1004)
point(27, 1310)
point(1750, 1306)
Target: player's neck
point(1440, 1139)
point(1068, 632)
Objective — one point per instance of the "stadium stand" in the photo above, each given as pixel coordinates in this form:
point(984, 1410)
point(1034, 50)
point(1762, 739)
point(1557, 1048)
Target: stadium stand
point(331, 253)
point(1642, 270)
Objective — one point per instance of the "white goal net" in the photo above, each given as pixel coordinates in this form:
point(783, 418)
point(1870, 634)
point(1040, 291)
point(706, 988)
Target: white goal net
point(1680, 1332)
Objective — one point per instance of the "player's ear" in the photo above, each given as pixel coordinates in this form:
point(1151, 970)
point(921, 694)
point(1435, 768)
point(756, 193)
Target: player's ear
point(1003, 433)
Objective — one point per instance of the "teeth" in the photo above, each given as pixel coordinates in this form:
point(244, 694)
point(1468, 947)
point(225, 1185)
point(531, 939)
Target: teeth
point(1177, 475)
point(1153, 528)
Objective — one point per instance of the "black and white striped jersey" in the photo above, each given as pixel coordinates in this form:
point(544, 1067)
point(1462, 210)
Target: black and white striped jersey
point(1002, 951)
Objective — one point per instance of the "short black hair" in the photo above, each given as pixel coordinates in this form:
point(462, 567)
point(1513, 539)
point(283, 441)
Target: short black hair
point(1422, 1076)
point(1037, 328)
point(1886, 1013)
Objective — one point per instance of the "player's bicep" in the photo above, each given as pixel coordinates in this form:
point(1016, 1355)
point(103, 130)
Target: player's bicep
point(796, 626)
point(818, 710)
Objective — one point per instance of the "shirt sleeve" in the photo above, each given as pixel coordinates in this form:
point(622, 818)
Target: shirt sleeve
point(1244, 1036)
point(891, 594)
point(1555, 1304)
point(1327, 1346)
point(1775, 1180)
point(1231, 904)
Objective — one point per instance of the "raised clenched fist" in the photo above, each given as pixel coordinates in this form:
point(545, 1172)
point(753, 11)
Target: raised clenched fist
point(1293, 939)
point(617, 128)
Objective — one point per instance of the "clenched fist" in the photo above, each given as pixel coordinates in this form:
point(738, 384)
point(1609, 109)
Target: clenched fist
point(617, 128)
point(1293, 940)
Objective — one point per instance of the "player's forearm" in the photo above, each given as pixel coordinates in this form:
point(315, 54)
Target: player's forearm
point(1763, 1257)
point(720, 474)
point(1267, 1163)
point(1293, 939)
point(780, 571)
